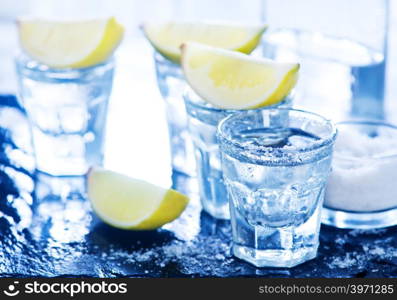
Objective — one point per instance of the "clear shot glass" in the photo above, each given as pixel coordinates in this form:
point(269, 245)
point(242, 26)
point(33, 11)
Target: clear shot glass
point(67, 111)
point(203, 121)
point(275, 173)
point(171, 84)
point(362, 191)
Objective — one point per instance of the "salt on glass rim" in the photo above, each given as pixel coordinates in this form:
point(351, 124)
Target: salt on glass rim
point(315, 145)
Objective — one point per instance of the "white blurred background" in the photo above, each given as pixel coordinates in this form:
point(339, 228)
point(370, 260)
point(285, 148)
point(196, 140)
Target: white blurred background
point(137, 140)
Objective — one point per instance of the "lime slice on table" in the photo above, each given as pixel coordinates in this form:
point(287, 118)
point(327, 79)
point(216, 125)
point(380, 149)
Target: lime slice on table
point(167, 38)
point(129, 203)
point(232, 80)
point(70, 44)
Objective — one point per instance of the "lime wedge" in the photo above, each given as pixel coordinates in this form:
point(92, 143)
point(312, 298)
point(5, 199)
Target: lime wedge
point(167, 38)
point(129, 203)
point(72, 44)
point(232, 80)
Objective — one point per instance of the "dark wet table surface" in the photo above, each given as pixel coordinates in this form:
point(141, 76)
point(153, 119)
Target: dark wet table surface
point(47, 229)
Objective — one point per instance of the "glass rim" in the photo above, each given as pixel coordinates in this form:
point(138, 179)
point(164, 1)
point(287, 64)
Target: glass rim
point(22, 59)
point(206, 106)
point(188, 92)
point(161, 58)
point(296, 30)
point(366, 122)
point(316, 145)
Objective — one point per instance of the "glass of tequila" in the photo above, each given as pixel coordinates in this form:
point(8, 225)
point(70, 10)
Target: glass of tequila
point(67, 111)
point(171, 84)
point(203, 121)
point(275, 165)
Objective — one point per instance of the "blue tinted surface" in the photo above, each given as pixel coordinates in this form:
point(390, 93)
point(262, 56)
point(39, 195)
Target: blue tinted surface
point(57, 235)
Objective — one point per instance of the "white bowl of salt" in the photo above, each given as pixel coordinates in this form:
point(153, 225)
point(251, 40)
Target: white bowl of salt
point(362, 187)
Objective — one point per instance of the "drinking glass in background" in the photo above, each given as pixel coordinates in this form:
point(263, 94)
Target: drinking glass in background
point(171, 84)
point(362, 191)
point(342, 48)
point(169, 75)
point(67, 111)
point(9, 9)
point(275, 170)
point(203, 121)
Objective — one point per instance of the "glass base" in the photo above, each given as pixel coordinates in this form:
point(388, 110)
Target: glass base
point(355, 220)
point(275, 258)
point(281, 247)
point(66, 154)
point(184, 183)
point(186, 169)
point(59, 188)
point(74, 172)
point(213, 193)
point(218, 212)
point(182, 152)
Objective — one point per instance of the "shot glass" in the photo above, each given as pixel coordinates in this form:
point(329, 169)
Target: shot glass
point(67, 111)
point(275, 173)
point(203, 121)
point(361, 191)
point(171, 84)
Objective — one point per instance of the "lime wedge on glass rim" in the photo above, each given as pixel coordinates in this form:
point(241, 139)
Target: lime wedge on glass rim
point(69, 44)
point(232, 80)
point(167, 37)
